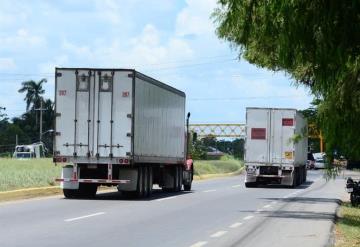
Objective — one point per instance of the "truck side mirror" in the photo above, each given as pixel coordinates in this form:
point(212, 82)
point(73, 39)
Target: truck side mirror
point(188, 115)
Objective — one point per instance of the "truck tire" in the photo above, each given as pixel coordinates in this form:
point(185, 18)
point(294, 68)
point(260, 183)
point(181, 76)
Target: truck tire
point(150, 180)
point(294, 179)
point(70, 194)
point(87, 190)
point(187, 186)
point(140, 183)
point(250, 184)
point(84, 191)
point(178, 176)
point(145, 183)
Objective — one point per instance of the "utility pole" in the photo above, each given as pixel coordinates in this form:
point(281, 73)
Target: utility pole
point(41, 111)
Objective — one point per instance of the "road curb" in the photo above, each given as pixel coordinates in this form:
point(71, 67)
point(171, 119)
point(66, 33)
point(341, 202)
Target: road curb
point(337, 216)
point(27, 189)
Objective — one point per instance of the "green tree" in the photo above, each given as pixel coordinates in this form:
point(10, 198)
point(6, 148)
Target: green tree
point(34, 91)
point(316, 42)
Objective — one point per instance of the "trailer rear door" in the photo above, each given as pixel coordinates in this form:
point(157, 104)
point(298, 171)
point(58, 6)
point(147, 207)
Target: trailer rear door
point(94, 111)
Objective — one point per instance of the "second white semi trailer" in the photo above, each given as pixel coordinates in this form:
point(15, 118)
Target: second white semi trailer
point(118, 127)
point(276, 147)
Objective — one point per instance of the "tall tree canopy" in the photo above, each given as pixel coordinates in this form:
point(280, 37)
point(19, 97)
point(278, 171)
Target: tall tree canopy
point(317, 42)
point(34, 91)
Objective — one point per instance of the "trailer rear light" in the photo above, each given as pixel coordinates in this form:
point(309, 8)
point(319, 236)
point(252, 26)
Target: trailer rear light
point(123, 161)
point(60, 159)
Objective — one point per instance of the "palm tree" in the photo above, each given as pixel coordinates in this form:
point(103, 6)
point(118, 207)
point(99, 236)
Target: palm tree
point(33, 90)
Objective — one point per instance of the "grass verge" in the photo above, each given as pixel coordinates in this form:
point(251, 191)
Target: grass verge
point(214, 168)
point(22, 179)
point(19, 174)
point(348, 226)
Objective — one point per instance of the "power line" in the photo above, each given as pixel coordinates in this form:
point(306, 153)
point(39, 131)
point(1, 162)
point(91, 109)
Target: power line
point(245, 98)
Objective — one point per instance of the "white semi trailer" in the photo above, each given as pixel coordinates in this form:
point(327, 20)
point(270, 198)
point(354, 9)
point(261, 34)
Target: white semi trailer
point(276, 147)
point(119, 127)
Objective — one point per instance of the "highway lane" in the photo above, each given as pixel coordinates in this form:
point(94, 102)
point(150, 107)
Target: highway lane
point(218, 212)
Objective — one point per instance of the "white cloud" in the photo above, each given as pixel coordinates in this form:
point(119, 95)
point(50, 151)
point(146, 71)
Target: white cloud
point(21, 40)
point(143, 50)
point(7, 64)
point(194, 19)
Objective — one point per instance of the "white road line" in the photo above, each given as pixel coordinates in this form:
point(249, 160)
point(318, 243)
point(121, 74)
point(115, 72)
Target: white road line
point(267, 206)
point(207, 191)
point(248, 217)
point(236, 186)
point(83, 217)
point(199, 244)
point(165, 198)
point(237, 224)
point(218, 234)
point(273, 202)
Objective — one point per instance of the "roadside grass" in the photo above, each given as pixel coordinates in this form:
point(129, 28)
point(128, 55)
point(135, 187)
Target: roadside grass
point(227, 164)
point(19, 174)
point(348, 226)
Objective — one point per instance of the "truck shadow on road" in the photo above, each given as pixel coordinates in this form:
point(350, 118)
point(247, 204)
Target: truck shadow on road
point(304, 185)
point(157, 194)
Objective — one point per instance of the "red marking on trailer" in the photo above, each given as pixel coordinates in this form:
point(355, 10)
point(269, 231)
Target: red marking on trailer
point(287, 122)
point(258, 133)
point(62, 92)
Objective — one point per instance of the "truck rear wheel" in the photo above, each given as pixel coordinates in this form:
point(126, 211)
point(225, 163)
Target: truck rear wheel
point(250, 184)
point(84, 191)
point(187, 185)
point(87, 190)
point(70, 194)
point(140, 182)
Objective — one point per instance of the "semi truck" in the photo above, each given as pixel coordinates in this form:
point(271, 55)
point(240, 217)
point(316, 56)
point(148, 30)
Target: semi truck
point(276, 147)
point(119, 127)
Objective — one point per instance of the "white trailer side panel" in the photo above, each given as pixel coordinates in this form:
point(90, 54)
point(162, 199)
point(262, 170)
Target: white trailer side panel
point(301, 147)
point(159, 123)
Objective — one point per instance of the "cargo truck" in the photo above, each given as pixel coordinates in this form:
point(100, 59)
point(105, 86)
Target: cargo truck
point(119, 127)
point(276, 147)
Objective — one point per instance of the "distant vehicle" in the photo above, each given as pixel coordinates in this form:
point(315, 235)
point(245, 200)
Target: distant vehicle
point(119, 127)
point(319, 163)
point(214, 153)
point(310, 164)
point(276, 148)
point(35, 150)
point(319, 155)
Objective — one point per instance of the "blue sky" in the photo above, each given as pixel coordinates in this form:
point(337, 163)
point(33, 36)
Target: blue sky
point(172, 41)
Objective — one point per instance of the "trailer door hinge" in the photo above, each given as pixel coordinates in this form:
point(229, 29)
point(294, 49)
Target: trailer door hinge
point(129, 115)
point(58, 114)
point(129, 134)
point(58, 74)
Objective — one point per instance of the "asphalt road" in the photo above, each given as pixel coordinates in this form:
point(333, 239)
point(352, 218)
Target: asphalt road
point(218, 212)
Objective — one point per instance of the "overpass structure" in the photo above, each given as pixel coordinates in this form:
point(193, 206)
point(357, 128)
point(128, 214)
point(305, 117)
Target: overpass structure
point(239, 131)
point(219, 130)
